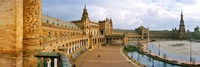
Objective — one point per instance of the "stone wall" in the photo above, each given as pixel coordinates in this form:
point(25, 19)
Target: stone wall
point(11, 29)
point(32, 30)
point(22, 35)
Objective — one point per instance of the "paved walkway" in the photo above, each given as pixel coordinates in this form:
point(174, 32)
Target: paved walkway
point(110, 56)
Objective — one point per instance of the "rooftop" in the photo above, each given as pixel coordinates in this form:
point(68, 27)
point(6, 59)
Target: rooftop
point(124, 30)
point(58, 22)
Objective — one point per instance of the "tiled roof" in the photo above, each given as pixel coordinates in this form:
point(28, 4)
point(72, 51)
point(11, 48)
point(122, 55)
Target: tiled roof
point(124, 30)
point(141, 27)
point(160, 31)
point(77, 21)
point(114, 35)
point(94, 22)
point(134, 31)
point(56, 21)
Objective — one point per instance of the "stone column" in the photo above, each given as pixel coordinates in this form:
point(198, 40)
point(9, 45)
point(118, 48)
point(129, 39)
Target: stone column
point(90, 42)
point(97, 42)
point(11, 33)
point(71, 49)
point(55, 62)
point(87, 43)
point(68, 50)
point(31, 31)
point(148, 34)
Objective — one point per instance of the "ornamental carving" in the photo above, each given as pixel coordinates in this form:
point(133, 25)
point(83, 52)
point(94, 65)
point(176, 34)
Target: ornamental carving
point(32, 23)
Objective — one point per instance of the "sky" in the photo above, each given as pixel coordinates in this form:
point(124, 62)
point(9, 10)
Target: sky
point(129, 14)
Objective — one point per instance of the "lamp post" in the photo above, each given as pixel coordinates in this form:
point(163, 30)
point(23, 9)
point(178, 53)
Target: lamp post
point(153, 63)
point(132, 54)
point(138, 57)
point(159, 48)
point(190, 51)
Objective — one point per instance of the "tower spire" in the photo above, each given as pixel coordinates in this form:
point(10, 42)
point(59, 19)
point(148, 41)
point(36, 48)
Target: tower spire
point(181, 20)
point(182, 28)
point(181, 15)
point(85, 13)
point(85, 6)
point(181, 12)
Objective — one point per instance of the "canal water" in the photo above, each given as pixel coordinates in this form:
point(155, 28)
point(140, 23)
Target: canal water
point(176, 50)
point(148, 61)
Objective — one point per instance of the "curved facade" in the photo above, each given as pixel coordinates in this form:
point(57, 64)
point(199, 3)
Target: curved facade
point(25, 32)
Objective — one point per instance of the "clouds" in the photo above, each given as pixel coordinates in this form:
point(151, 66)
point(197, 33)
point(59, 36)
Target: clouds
point(129, 14)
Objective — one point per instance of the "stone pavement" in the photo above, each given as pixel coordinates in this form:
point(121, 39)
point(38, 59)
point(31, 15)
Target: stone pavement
point(110, 56)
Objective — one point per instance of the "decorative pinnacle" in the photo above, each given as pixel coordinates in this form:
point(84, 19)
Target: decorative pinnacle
point(85, 6)
point(181, 12)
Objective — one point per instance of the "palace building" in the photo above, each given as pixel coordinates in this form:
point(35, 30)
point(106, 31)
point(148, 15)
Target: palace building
point(142, 33)
point(82, 32)
point(30, 39)
point(73, 37)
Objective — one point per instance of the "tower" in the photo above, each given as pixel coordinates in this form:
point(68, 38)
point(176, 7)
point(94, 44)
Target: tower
point(85, 14)
point(106, 26)
point(181, 32)
point(86, 21)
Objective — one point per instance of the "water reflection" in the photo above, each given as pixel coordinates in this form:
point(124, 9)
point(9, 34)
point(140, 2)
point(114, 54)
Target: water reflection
point(148, 61)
